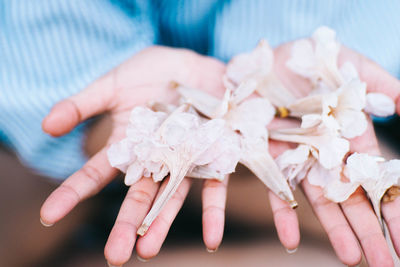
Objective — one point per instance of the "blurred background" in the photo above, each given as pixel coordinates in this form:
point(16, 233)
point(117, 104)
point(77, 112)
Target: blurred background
point(78, 240)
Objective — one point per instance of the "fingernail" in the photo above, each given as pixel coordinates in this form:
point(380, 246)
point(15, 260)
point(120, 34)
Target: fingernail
point(291, 251)
point(46, 224)
point(110, 265)
point(211, 250)
point(141, 259)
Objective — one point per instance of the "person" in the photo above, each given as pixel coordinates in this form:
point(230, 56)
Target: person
point(97, 57)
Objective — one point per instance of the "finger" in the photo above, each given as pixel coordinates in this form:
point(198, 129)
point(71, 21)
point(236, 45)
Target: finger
point(286, 222)
point(335, 224)
point(214, 200)
point(150, 244)
point(377, 79)
point(68, 113)
point(86, 182)
point(391, 214)
point(136, 205)
point(360, 213)
point(363, 220)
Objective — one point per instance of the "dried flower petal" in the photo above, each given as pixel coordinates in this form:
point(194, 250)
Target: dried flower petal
point(120, 154)
point(318, 64)
point(252, 71)
point(295, 164)
point(186, 140)
point(257, 63)
point(340, 110)
point(330, 148)
point(373, 175)
point(248, 120)
point(158, 144)
point(257, 158)
point(338, 190)
point(380, 105)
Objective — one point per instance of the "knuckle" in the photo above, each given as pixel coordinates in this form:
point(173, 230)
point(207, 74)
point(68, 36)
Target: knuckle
point(164, 220)
point(214, 184)
point(92, 174)
point(213, 208)
point(368, 236)
point(140, 196)
point(282, 211)
point(178, 196)
point(395, 220)
point(74, 109)
point(70, 192)
point(356, 199)
point(125, 223)
point(321, 202)
point(337, 228)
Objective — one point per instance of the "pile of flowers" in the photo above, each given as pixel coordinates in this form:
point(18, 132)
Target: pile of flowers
point(206, 137)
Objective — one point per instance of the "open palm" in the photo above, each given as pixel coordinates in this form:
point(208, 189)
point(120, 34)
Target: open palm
point(350, 224)
point(143, 78)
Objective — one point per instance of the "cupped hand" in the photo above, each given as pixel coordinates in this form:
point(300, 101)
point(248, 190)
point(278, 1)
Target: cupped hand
point(144, 77)
point(352, 226)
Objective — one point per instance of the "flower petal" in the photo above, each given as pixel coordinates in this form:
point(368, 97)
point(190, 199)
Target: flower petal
point(352, 95)
point(320, 176)
point(310, 120)
point(293, 156)
point(133, 173)
point(360, 167)
point(120, 154)
point(257, 158)
point(255, 63)
point(272, 88)
point(352, 123)
point(244, 90)
point(206, 104)
point(331, 152)
point(379, 105)
point(302, 60)
point(348, 72)
point(311, 104)
point(338, 191)
point(251, 117)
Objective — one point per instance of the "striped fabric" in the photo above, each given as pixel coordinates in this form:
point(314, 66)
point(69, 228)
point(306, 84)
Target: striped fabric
point(51, 49)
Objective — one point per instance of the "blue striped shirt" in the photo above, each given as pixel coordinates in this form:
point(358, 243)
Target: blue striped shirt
point(51, 49)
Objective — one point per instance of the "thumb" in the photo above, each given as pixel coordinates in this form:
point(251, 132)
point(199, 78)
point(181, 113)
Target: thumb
point(91, 101)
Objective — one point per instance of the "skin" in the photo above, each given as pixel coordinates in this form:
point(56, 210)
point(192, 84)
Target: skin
point(137, 81)
point(352, 226)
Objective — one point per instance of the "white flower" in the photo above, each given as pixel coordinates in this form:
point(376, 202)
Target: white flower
point(158, 144)
point(218, 160)
point(142, 125)
point(344, 107)
point(316, 60)
point(297, 164)
point(254, 72)
point(340, 110)
point(374, 174)
point(246, 118)
point(326, 144)
point(250, 66)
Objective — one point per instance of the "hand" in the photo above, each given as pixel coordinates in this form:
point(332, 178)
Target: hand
point(352, 222)
point(144, 77)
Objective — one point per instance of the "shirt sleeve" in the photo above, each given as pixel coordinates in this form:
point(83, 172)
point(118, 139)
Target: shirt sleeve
point(50, 50)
